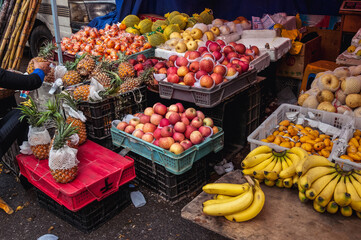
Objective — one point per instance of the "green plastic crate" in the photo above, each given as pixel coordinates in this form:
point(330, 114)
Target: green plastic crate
point(176, 164)
point(148, 53)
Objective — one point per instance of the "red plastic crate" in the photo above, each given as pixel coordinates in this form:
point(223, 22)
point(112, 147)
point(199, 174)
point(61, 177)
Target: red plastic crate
point(101, 172)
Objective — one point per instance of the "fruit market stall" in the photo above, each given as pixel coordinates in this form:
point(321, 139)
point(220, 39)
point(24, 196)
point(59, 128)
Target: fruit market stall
point(282, 216)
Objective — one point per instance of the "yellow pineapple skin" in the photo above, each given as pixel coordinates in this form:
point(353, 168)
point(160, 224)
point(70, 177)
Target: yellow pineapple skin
point(72, 77)
point(80, 126)
point(125, 69)
point(82, 93)
point(41, 151)
point(31, 67)
point(86, 66)
point(64, 175)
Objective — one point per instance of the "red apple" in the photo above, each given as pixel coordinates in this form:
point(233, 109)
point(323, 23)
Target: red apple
point(176, 148)
point(182, 71)
point(159, 65)
point(172, 70)
point(178, 137)
point(186, 144)
point(207, 55)
point(200, 115)
point(217, 55)
point(217, 78)
point(141, 58)
point(197, 122)
point(185, 120)
point(174, 118)
point(208, 122)
point(173, 58)
point(173, 108)
point(189, 130)
point(166, 142)
point(240, 48)
point(162, 71)
point(238, 68)
point(138, 67)
point(129, 129)
point(194, 66)
point(180, 107)
point(196, 137)
point(155, 104)
point(139, 126)
point(225, 62)
point(191, 113)
point(214, 47)
point(202, 49)
point(164, 122)
point(206, 81)
point(201, 73)
point(244, 66)
point(156, 142)
point(173, 78)
point(220, 42)
point(245, 59)
point(154, 61)
point(233, 44)
point(155, 119)
point(134, 121)
point(144, 119)
point(148, 137)
point(232, 55)
point(215, 130)
point(189, 79)
point(249, 52)
point(181, 61)
point(208, 42)
point(167, 115)
point(132, 61)
point(231, 71)
point(255, 50)
point(169, 64)
point(206, 65)
point(138, 133)
point(157, 134)
point(227, 49)
point(160, 109)
point(166, 131)
point(220, 69)
point(122, 125)
point(205, 131)
point(180, 127)
point(194, 55)
point(149, 111)
point(149, 127)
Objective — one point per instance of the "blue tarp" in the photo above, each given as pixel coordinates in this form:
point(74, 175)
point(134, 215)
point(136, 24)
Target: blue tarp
point(226, 9)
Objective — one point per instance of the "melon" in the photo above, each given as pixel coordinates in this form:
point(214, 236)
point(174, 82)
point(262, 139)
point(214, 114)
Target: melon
point(132, 30)
point(171, 15)
point(170, 29)
point(207, 16)
point(159, 25)
point(180, 20)
point(145, 26)
point(131, 20)
point(155, 38)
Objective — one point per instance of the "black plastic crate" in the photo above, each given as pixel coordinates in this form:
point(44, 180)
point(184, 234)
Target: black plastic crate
point(91, 216)
point(171, 187)
point(100, 114)
point(107, 143)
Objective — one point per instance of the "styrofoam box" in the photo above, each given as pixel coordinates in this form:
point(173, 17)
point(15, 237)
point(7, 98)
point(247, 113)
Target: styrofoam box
point(263, 33)
point(278, 46)
point(261, 62)
point(269, 125)
point(165, 54)
point(340, 148)
point(229, 37)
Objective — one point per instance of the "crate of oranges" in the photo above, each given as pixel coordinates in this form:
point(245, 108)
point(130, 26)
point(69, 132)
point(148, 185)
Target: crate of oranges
point(280, 134)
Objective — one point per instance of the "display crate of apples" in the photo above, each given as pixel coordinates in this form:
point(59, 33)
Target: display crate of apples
point(173, 137)
point(280, 132)
point(208, 75)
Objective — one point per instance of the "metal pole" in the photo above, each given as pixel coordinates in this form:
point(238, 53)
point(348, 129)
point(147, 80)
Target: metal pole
point(54, 10)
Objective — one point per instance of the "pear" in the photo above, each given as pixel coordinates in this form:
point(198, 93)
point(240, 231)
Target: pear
point(351, 85)
point(325, 96)
point(310, 102)
point(302, 98)
point(353, 100)
point(326, 106)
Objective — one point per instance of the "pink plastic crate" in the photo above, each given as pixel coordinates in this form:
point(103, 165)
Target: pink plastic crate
point(101, 172)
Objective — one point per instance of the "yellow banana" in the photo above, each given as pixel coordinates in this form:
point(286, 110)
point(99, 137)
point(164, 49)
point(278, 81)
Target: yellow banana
point(288, 161)
point(358, 214)
point(315, 161)
point(319, 185)
point(259, 150)
point(279, 183)
point(262, 165)
point(220, 196)
point(216, 201)
point(284, 164)
point(326, 194)
point(302, 197)
point(228, 189)
point(302, 155)
point(5, 207)
point(346, 211)
point(356, 184)
point(255, 160)
point(273, 175)
point(253, 210)
point(269, 183)
point(341, 196)
point(318, 208)
point(287, 182)
point(355, 198)
point(301, 189)
point(295, 179)
point(332, 207)
point(234, 205)
point(293, 157)
point(313, 174)
point(356, 176)
point(259, 174)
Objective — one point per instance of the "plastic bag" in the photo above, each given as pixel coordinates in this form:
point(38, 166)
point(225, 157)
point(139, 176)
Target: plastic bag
point(95, 88)
point(38, 136)
point(25, 148)
point(72, 113)
point(63, 158)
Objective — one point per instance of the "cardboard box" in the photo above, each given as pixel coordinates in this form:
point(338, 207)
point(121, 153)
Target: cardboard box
point(294, 65)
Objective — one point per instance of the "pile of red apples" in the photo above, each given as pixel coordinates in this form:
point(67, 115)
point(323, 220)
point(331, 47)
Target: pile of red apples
point(174, 128)
point(209, 65)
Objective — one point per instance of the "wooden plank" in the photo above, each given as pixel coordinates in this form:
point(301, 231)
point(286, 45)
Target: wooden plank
point(282, 217)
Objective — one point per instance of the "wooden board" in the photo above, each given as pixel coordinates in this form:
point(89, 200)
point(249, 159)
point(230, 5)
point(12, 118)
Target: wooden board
point(282, 217)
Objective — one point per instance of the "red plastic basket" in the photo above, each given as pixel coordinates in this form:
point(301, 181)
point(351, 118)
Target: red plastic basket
point(101, 172)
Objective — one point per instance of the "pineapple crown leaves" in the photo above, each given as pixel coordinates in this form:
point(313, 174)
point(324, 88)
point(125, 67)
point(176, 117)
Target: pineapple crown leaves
point(122, 57)
point(54, 111)
point(47, 51)
point(108, 65)
point(30, 111)
point(69, 100)
point(63, 134)
point(72, 65)
point(147, 74)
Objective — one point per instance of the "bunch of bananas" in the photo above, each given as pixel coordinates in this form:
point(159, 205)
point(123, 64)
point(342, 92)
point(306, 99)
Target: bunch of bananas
point(330, 187)
point(353, 151)
point(290, 135)
point(236, 202)
point(274, 168)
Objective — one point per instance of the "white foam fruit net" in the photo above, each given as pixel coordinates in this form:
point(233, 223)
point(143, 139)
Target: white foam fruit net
point(63, 158)
point(38, 136)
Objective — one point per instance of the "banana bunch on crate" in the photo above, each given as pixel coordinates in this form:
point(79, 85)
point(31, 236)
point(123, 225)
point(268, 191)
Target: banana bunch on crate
point(274, 168)
point(330, 187)
point(236, 202)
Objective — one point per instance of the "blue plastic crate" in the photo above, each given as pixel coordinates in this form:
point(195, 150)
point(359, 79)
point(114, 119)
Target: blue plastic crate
point(174, 163)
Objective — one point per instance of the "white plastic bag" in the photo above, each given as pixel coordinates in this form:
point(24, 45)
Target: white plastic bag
point(95, 88)
point(25, 148)
point(72, 113)
point(63, 158)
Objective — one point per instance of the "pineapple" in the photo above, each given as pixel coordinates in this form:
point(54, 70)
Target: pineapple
point(101, 72)
point(45, 54)
point(82, 93)
point(36, 119)
point(50, 77)
point(86, 66)
point(77, 123)
point(132, 83)
point(125, 69)
point(103, 79)
point(60, 172)
point(72, 77)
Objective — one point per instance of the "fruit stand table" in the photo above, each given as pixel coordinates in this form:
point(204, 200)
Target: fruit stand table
point(282, 217)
